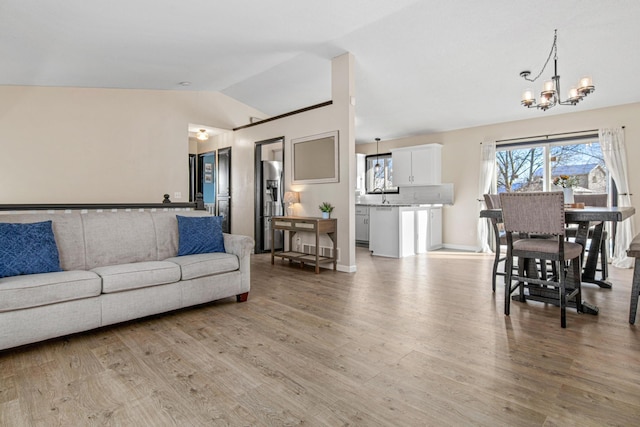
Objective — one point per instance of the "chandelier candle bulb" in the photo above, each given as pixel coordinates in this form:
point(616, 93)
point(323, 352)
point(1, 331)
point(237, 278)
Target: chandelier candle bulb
point(574, 96)
point(585, 82)
point(548, 87)
point(527, 97)
point(544, 103)
point(586, 85)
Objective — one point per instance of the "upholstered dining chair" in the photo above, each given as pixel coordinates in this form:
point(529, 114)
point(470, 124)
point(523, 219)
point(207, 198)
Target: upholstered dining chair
point(540, 213)
point(492, 201)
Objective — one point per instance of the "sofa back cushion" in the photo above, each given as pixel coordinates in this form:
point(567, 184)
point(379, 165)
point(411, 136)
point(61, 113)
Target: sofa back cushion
point(119, 238)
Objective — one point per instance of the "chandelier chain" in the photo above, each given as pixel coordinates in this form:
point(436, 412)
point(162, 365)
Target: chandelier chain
point(554, 51)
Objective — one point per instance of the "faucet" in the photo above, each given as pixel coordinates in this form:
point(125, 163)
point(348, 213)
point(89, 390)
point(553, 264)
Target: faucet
point(384, 195)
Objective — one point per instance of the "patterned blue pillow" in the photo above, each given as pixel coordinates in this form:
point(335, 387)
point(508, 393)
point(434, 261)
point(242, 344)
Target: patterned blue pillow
point(28, 249)
point(199, 235)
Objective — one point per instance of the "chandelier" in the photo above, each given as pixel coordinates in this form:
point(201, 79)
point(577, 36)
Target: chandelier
point(550, 94)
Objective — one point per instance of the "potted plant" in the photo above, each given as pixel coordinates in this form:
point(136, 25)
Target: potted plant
point(326, 209)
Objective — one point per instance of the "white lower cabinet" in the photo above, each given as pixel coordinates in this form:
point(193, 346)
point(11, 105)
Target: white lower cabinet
point(434, 230)
point(400, 231)
point(384, 231)
point(362, 225)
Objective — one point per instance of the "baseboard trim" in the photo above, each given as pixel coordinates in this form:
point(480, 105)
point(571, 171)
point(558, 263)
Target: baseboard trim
point(462, 248)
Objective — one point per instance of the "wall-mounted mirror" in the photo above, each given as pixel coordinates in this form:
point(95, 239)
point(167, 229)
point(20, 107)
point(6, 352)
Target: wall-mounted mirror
point(315, 159)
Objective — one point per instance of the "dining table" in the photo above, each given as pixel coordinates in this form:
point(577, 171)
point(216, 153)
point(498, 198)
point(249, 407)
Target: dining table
point(584, 217)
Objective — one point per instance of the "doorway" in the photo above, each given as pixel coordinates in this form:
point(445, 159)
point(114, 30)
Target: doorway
point(206, 179)
point(269, 191)
point(210, 175)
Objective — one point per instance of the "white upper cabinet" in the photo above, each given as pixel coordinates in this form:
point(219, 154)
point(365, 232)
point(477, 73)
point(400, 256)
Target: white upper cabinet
point(418, 165)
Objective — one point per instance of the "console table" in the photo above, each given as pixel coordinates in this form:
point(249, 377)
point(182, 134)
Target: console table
point(318, 226)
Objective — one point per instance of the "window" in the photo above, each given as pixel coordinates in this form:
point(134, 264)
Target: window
point(379, 174)
point(533, 166)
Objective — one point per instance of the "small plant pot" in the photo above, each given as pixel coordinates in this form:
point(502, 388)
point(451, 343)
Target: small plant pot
point(326, 215)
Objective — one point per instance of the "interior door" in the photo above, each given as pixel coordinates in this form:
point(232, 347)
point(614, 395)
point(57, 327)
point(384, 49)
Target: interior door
point(224, 188)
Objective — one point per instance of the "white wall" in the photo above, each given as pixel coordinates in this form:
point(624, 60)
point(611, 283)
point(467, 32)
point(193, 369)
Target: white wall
point(78, 145)
point(461, 158)
point(338, 116)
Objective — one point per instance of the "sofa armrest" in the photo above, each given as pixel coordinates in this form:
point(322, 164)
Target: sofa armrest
point(242, 247)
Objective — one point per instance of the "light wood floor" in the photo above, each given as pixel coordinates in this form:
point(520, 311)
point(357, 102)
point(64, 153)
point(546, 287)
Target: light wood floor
point(411, 342)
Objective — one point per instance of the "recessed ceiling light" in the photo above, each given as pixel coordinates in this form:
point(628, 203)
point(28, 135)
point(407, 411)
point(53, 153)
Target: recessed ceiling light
point(185, 83)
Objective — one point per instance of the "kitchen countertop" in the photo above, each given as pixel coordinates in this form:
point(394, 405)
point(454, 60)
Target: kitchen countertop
point(394, 205)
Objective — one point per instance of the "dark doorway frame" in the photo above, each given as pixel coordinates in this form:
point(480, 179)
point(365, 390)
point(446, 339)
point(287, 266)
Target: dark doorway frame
point(258, 197)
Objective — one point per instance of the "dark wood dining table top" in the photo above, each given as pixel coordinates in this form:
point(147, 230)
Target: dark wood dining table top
point(588, 213)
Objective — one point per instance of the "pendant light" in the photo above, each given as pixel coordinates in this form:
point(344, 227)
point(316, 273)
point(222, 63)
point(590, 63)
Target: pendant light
point(376, 168)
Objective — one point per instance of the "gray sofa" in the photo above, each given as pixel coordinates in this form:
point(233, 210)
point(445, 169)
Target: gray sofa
point(117, 266)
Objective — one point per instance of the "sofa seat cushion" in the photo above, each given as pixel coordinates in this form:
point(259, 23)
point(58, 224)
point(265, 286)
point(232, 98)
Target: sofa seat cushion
point(123, 277)
point(19, 292)
point(200, 265)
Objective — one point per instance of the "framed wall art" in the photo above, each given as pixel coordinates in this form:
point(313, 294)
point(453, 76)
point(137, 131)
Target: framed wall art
point(315, 159)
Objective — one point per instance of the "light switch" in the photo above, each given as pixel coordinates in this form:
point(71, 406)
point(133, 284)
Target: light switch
point(177, 195)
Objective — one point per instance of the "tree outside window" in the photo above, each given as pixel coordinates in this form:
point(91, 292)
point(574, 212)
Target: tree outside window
point(530, 168)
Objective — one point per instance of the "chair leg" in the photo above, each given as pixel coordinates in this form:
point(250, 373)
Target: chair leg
point(543, 269)
point(563, 296)
point(635, 292)
point(496, 261)
point(577, 281)
point(507, 284)
point(523, 266)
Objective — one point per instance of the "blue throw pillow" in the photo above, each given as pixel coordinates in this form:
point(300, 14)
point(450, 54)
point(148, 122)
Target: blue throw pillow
point(28, 249)
point(200, 235)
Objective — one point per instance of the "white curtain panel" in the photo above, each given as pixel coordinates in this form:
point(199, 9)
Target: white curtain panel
point(615, 157)
point(487, 169)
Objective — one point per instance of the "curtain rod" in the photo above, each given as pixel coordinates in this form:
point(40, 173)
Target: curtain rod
point(549, 135)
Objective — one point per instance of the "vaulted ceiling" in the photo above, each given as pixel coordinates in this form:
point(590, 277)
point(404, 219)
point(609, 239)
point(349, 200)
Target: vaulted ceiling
point(421, 66)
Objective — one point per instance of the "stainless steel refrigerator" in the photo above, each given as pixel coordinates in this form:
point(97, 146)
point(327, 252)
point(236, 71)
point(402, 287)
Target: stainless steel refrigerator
point(272, 194)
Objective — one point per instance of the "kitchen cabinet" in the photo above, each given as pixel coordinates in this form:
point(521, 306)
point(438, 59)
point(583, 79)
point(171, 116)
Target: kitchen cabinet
point(362, 225)
point(384, 231)
point(418, 165)
point(434, 229)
